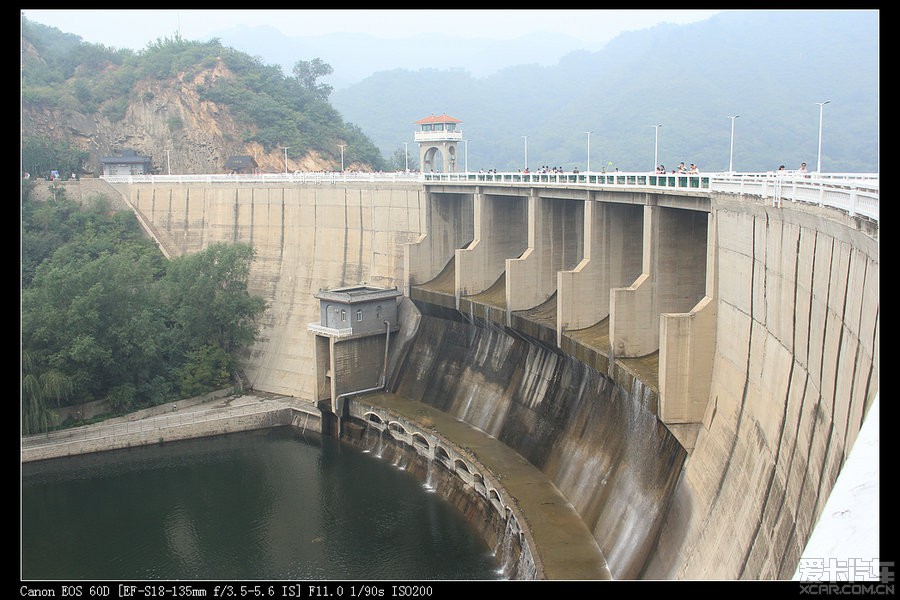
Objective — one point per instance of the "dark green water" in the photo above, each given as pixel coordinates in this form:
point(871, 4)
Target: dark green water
point(266, 505)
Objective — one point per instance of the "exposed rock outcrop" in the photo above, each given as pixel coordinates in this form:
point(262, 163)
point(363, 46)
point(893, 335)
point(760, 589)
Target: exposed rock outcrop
point(166, 120)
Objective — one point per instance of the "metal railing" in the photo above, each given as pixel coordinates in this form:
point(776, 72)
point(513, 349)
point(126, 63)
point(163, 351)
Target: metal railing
point(617, 179)
point(295, 177)
point(854, 193)
point(439, 136)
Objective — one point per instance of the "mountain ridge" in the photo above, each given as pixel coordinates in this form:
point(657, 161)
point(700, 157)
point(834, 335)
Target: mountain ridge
point(355, 56)
point(769, 67)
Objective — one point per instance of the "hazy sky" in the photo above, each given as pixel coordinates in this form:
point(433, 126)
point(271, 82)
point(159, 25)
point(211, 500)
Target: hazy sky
point(136, 28)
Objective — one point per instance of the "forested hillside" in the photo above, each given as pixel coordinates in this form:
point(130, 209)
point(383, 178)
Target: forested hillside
point(188, 105)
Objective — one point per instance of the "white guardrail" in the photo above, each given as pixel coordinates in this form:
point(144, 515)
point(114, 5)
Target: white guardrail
point(854, 193)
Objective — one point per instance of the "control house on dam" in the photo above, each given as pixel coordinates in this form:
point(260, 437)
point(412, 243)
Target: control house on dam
point(685, 361)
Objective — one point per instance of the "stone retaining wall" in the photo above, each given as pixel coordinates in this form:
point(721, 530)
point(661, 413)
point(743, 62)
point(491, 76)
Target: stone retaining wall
point(168, 428)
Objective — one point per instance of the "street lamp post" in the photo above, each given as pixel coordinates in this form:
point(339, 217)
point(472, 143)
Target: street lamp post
point(731, 154)
point(406, 154)
point(819, 160)
point(656, 148)
point(467, 154)
point(285, 158)
point(588, 169)
point(526, 151)
point(168, 163)
point(342, 146)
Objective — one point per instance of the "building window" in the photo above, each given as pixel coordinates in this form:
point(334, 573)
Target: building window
point(343, 315)
point(359, 315)
point(378, 311)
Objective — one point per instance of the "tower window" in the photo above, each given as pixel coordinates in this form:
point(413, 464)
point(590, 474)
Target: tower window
point(359, 315)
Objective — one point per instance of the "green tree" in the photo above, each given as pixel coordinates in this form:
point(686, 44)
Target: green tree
point(121, 398)
point(40, 391)
point(206, 368)
point(308, 73)
point(45, 227)
point(208, 298)
point(92, 314)
point(400, 159)
point(105, 316)
point(40, 155)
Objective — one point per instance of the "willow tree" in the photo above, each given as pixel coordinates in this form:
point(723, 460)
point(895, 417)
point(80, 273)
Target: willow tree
point(39, 392)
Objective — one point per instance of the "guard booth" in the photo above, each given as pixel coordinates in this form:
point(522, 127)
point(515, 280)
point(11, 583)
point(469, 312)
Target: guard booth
point(243, 164)
point(353, 339)
point(129, 162)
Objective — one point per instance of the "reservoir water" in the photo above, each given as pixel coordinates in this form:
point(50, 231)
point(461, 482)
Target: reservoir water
point(275, 504)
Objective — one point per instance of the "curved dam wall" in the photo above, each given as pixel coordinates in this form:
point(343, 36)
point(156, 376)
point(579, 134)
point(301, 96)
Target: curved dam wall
point(599, 443)
point(307, 238)
point(795, 366)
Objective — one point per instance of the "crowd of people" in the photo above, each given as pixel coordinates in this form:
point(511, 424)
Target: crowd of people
point(548, 169)
point(545, 169)
point(681, 170)
point(52, 175)
point(802, 171)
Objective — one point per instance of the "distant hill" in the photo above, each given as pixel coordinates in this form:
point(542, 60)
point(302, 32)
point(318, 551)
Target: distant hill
point(355, 56)
point(769, 67)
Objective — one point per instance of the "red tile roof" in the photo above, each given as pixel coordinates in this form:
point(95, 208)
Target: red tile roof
point(438, 119)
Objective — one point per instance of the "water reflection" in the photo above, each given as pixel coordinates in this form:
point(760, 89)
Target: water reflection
point(273, 504)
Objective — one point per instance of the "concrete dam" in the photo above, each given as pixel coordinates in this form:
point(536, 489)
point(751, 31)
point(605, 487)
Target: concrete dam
point(689, 370)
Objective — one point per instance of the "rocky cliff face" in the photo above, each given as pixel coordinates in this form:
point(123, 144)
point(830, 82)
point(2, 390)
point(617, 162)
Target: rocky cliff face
point(167, 121)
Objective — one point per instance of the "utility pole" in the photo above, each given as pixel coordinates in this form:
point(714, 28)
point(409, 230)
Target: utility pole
point(588, 169)
point(656, 148)
point(819, 160)
point(731, 154)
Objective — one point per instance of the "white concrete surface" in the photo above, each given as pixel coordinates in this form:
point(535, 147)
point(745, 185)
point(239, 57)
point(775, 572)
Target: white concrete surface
point(844, 545)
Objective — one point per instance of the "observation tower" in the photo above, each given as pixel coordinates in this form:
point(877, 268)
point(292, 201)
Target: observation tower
point(438, 138)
